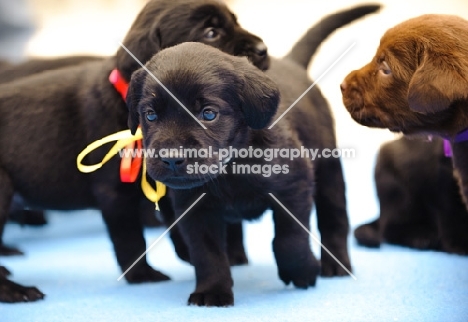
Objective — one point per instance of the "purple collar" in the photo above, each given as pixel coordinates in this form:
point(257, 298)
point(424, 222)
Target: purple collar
point(460, 137)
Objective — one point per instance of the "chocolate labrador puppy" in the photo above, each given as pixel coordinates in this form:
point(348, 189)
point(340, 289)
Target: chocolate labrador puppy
point(229, 104)
point(417, 84)
point(420, 203)
point(49, 118)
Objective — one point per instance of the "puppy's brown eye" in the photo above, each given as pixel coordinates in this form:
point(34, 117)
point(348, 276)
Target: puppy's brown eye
point(211, 34)
point(209, 114)
point(151, 116)
point(384, 68)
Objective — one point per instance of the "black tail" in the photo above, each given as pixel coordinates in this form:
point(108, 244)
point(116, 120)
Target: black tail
point(306, 47)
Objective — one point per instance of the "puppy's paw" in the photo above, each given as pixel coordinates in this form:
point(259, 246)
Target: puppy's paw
point(220, 299)
point(368, 235)
point(301, 273)
point(143, 274)
point(11, 292)
point(424, 242)
point(330, 267)
point(295, 261)
point(26, 217)
point(4, 272)
point(9, 251)
point(455, 246)
point(237, 258)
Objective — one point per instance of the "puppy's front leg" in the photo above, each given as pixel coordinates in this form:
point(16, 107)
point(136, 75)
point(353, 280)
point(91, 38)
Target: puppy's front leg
point(291, 246)
point(204, 232)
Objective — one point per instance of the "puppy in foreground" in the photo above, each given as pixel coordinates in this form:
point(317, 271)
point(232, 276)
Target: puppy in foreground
point(49, 118)
point(420, 202)
point(233, 103)
point(417, 84)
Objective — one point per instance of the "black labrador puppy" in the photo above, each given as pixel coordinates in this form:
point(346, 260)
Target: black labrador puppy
point(420, 202)
point(233, 103)
point(18, 213)
point(49, 118)
point(10, 72)
point(13, 71)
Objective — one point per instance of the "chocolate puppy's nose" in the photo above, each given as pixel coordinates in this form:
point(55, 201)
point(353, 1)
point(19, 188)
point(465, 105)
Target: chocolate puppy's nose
point(173, 163)
point(343, 86)
point(260, 49)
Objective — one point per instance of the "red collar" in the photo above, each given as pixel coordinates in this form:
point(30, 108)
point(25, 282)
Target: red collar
point(129, 166)
point(120, 84)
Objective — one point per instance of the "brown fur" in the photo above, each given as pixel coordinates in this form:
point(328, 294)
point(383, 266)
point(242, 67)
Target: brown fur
point(417, 83)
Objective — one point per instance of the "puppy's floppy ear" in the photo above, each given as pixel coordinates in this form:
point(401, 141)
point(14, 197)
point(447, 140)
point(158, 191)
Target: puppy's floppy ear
point(259, 96)
point(437, 83)
point(143, 40)
point(135, 90)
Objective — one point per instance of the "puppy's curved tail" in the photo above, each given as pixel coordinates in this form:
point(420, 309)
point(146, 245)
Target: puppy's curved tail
point(305, 48)
point(368, 234)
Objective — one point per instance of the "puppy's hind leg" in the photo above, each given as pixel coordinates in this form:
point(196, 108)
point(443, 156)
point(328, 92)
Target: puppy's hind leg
point(235, 245)
point(291, 244)
point(332, 216)
point(404, 219)
point(6, 196)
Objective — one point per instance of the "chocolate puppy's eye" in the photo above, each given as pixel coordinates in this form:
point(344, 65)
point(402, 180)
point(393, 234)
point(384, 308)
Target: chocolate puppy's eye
point(151, 116)
point(384, 68)
point(211, 34)
point(209, 114)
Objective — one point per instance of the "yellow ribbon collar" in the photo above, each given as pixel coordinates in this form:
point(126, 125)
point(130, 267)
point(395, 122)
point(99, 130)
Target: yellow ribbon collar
point(123, 138)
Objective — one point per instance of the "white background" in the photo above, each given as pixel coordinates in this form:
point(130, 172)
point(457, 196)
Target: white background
point(73, 26)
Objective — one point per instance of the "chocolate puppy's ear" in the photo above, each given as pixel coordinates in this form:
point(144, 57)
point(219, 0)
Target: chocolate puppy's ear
point(135, 90)
point(259, 96)
point(437, 83)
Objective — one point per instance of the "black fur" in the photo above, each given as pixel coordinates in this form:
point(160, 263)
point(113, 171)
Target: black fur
point(10, 72)
point(420, 202)
point(12, 292)
point(48, 118)
point(245, 101)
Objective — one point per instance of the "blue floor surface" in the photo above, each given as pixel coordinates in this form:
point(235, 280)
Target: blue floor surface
point(72, 262)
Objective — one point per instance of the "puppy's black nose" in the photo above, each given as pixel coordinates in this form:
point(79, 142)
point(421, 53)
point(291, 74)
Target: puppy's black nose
point(173, 163)
point(260, 49)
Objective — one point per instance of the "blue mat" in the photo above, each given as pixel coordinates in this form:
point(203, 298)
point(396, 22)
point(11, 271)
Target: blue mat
point(71, 260)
